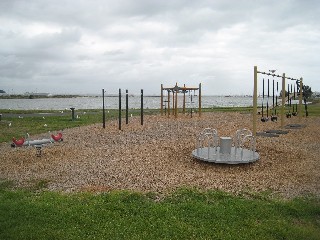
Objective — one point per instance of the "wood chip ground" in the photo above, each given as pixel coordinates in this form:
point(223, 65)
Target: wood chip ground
point(157, 157)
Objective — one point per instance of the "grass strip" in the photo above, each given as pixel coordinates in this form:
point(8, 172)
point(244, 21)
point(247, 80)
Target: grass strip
point(19, 126)
point(184, 214)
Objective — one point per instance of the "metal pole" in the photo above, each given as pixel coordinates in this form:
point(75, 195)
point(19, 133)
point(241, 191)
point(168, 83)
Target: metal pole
point(272, 95)
point(176, 105)
point(72, 113)
point(168, 103)
point(255, 100)
point(103, 111)
point(127, 107)
point(283, 98)
point(268, 99)
point(141, 107)
point(300, 100)
point(184, 100)
point(161, 100)
point(119, 108)
point(200, 100)
point(288, 93)
point(173, 109)
point(277, 97)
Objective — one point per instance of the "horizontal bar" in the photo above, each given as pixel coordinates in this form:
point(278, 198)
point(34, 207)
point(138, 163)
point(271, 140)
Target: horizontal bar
point(274, 75)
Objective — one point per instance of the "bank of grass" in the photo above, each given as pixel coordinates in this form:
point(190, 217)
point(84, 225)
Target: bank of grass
point(184, 214)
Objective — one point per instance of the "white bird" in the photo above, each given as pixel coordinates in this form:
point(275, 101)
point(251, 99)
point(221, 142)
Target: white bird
point(45, 125)
point(61, 111)
point(9, 124)
point(84, 112)
point(78, 117)
point(20, 117)
point(43, 117)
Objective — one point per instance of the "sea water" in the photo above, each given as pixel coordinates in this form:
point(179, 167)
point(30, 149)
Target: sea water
point(149, 102)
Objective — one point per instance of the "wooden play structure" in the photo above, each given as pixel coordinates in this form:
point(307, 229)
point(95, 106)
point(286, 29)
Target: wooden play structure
point(175, 91)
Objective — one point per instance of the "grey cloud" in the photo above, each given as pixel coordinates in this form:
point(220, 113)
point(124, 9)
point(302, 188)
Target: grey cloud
point(30, 57)
point(133, 43)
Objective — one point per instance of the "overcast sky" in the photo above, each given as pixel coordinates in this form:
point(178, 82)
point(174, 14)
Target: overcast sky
point(82, 46)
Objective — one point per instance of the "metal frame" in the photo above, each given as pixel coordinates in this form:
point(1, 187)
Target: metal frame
point(211, 152)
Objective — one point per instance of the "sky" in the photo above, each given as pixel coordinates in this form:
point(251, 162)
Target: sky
point(84, 46)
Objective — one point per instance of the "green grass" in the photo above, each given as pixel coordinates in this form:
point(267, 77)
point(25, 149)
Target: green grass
point(314, 108)
point(184, 214)
point(35, 125)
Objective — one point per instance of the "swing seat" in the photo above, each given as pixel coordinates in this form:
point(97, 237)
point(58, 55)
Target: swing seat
point(274, 118)
point(264, 119)
point(288, 115)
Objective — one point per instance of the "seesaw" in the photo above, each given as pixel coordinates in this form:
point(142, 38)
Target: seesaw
point(22, 142)
point(38, 143)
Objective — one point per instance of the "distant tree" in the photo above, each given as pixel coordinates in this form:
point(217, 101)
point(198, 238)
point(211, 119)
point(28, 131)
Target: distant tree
point(285, 92)
point(307, 93)
point(2, 91)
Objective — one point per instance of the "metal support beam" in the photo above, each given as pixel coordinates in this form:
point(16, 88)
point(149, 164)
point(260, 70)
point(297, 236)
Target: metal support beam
point(200, 100)
point(103, 111)
point(176, 105)
point(161, 100)
point(127, 107)
point(168, 103)
point(184, 100)
point(141, 113)
point(119, 108)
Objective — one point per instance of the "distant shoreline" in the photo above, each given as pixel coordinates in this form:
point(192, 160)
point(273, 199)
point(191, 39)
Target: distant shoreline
point(31, 96)
point(36, 96)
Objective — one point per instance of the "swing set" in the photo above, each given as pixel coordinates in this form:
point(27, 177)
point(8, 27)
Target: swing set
point(166, 104)
point(273, 108)
point(290, 95)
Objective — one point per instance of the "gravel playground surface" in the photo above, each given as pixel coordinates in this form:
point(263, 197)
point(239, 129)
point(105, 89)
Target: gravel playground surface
point(157, 157)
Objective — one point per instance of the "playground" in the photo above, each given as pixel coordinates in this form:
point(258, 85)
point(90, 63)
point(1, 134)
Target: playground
point(157, 157)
